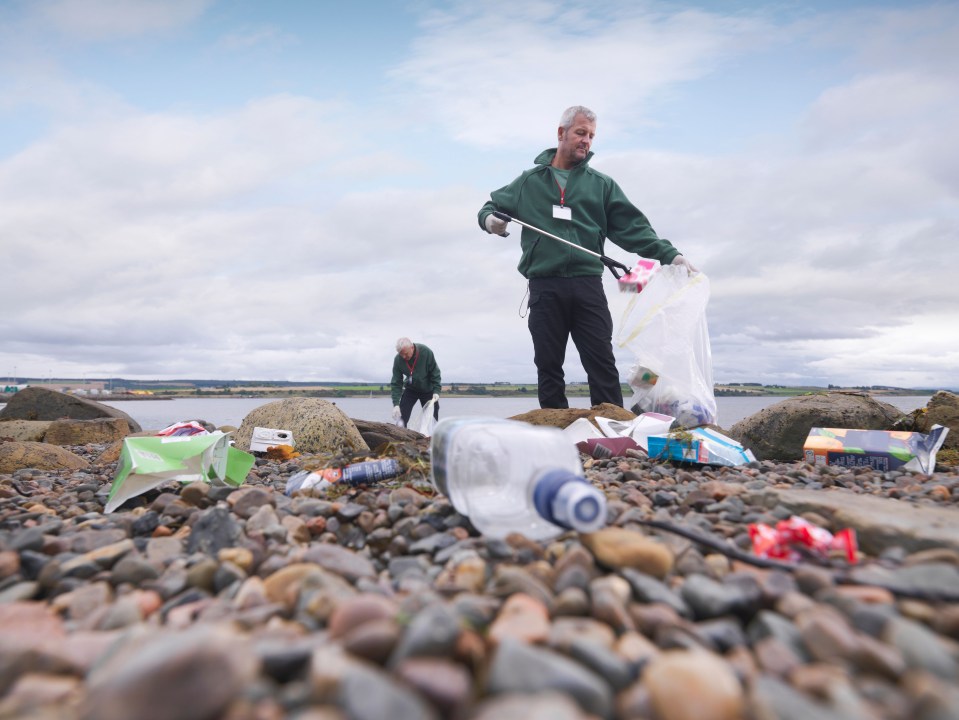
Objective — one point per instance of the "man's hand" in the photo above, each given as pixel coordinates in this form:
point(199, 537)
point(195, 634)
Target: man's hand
point(681, 260)
point(397, 414)
point(436, 396)
point(494, 225)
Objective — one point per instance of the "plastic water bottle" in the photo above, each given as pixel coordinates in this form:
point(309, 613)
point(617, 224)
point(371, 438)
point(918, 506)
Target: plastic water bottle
point(509, 476)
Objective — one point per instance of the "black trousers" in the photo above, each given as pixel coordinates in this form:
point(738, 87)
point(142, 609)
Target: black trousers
point(408, 400)
point(560, 308)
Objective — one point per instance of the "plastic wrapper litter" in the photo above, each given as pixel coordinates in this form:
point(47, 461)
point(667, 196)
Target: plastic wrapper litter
point(881, 450)
point(793, 538)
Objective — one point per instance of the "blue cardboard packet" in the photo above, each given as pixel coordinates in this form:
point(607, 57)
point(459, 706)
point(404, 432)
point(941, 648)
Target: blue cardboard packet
point(701, 445)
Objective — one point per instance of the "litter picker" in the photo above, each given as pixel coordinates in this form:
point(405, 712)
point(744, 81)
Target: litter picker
point(613, 265)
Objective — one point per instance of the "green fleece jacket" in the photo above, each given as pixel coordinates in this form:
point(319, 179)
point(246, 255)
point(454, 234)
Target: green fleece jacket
point(600, 210)
point(425, 373)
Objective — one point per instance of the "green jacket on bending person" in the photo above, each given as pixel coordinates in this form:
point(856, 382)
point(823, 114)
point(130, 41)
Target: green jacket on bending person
point(600, 209)
point(416, 376)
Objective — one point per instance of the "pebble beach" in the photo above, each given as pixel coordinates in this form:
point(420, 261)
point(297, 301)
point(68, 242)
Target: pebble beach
point(378, 602)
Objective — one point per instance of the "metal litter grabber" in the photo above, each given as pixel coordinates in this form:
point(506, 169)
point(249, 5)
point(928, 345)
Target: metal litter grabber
point(613, 265)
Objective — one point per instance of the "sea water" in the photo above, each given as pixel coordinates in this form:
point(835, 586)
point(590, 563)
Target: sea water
point(156, 414)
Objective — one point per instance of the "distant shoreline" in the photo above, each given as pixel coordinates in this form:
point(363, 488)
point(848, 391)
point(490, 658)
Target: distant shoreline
point(463, 390)
point(312, 393)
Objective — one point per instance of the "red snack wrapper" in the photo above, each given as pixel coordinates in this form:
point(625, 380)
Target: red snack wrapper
point(783, 541)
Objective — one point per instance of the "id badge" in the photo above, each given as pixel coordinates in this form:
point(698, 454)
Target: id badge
point(563, 212)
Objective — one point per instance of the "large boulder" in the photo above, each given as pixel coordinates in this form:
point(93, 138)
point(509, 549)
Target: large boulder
point(317, 425)
point(23, 430)
point(565, 417)
point(942, 409)
point(36, 403)
point(84, 432)
point(42, 456)
point(779, 431)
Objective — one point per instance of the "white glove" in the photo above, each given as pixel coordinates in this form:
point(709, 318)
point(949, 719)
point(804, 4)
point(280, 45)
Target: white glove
point(681, 260)
point(436, 396)
point(494, 225)
point(396, 413)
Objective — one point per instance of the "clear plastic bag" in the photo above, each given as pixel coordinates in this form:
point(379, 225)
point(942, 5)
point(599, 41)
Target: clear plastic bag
point(665, 327)
point(426, 420)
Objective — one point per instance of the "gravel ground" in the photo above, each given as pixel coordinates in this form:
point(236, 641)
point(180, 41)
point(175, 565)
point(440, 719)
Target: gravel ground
point(207, 602)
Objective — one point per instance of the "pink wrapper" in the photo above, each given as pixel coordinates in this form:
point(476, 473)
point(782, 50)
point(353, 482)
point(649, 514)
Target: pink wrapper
point(635, 280)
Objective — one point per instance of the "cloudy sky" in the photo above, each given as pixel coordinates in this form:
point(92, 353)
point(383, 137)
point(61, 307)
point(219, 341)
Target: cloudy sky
point(236, 189)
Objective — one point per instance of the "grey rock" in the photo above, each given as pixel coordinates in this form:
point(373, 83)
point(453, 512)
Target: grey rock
point(771, 624)
point(28, 539)
point(134, 570)
point(710, 599)
point(432, 633)
point(347, 563)
point(772, 698)
point(518, 667)
point(206, 669)
point(19, 591)
point(214, 530)
point(648, 589)
point(433, 543)
point(367, 693)
point(721, 634)
point(602, 661)
point(930, 580)
point(36, 403)
point(546, 705)
point(921, 647)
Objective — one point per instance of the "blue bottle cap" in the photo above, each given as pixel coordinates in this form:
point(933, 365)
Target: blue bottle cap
point(569, 501)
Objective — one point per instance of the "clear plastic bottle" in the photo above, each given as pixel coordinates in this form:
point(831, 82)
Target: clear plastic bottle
point(509, 476)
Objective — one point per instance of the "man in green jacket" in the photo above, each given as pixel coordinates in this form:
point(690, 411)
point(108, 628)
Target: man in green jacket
point(416, 376)
point(564, 196)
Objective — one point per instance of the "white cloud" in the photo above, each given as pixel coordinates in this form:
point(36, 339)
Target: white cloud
point(502, 72)
point(106, 19)
point(256, 36)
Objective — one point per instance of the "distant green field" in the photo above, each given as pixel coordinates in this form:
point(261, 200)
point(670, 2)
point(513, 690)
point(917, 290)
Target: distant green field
point(281, 389)
point(494, 390)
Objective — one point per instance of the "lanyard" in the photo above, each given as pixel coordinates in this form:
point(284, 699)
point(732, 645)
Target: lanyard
point(416, 356)
point(562, 193)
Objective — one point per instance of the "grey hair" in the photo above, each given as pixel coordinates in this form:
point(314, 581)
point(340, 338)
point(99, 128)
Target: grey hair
point(569, 115)
point(403, 343)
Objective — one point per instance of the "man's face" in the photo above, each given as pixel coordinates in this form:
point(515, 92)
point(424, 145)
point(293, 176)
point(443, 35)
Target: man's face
point(573, 144)
point(406, 353)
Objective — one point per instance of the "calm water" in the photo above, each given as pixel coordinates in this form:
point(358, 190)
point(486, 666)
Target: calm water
point(155, 414)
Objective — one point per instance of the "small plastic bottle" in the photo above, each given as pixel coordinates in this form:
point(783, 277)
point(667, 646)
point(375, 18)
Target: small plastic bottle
point(509, 476)
point(362, 473)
